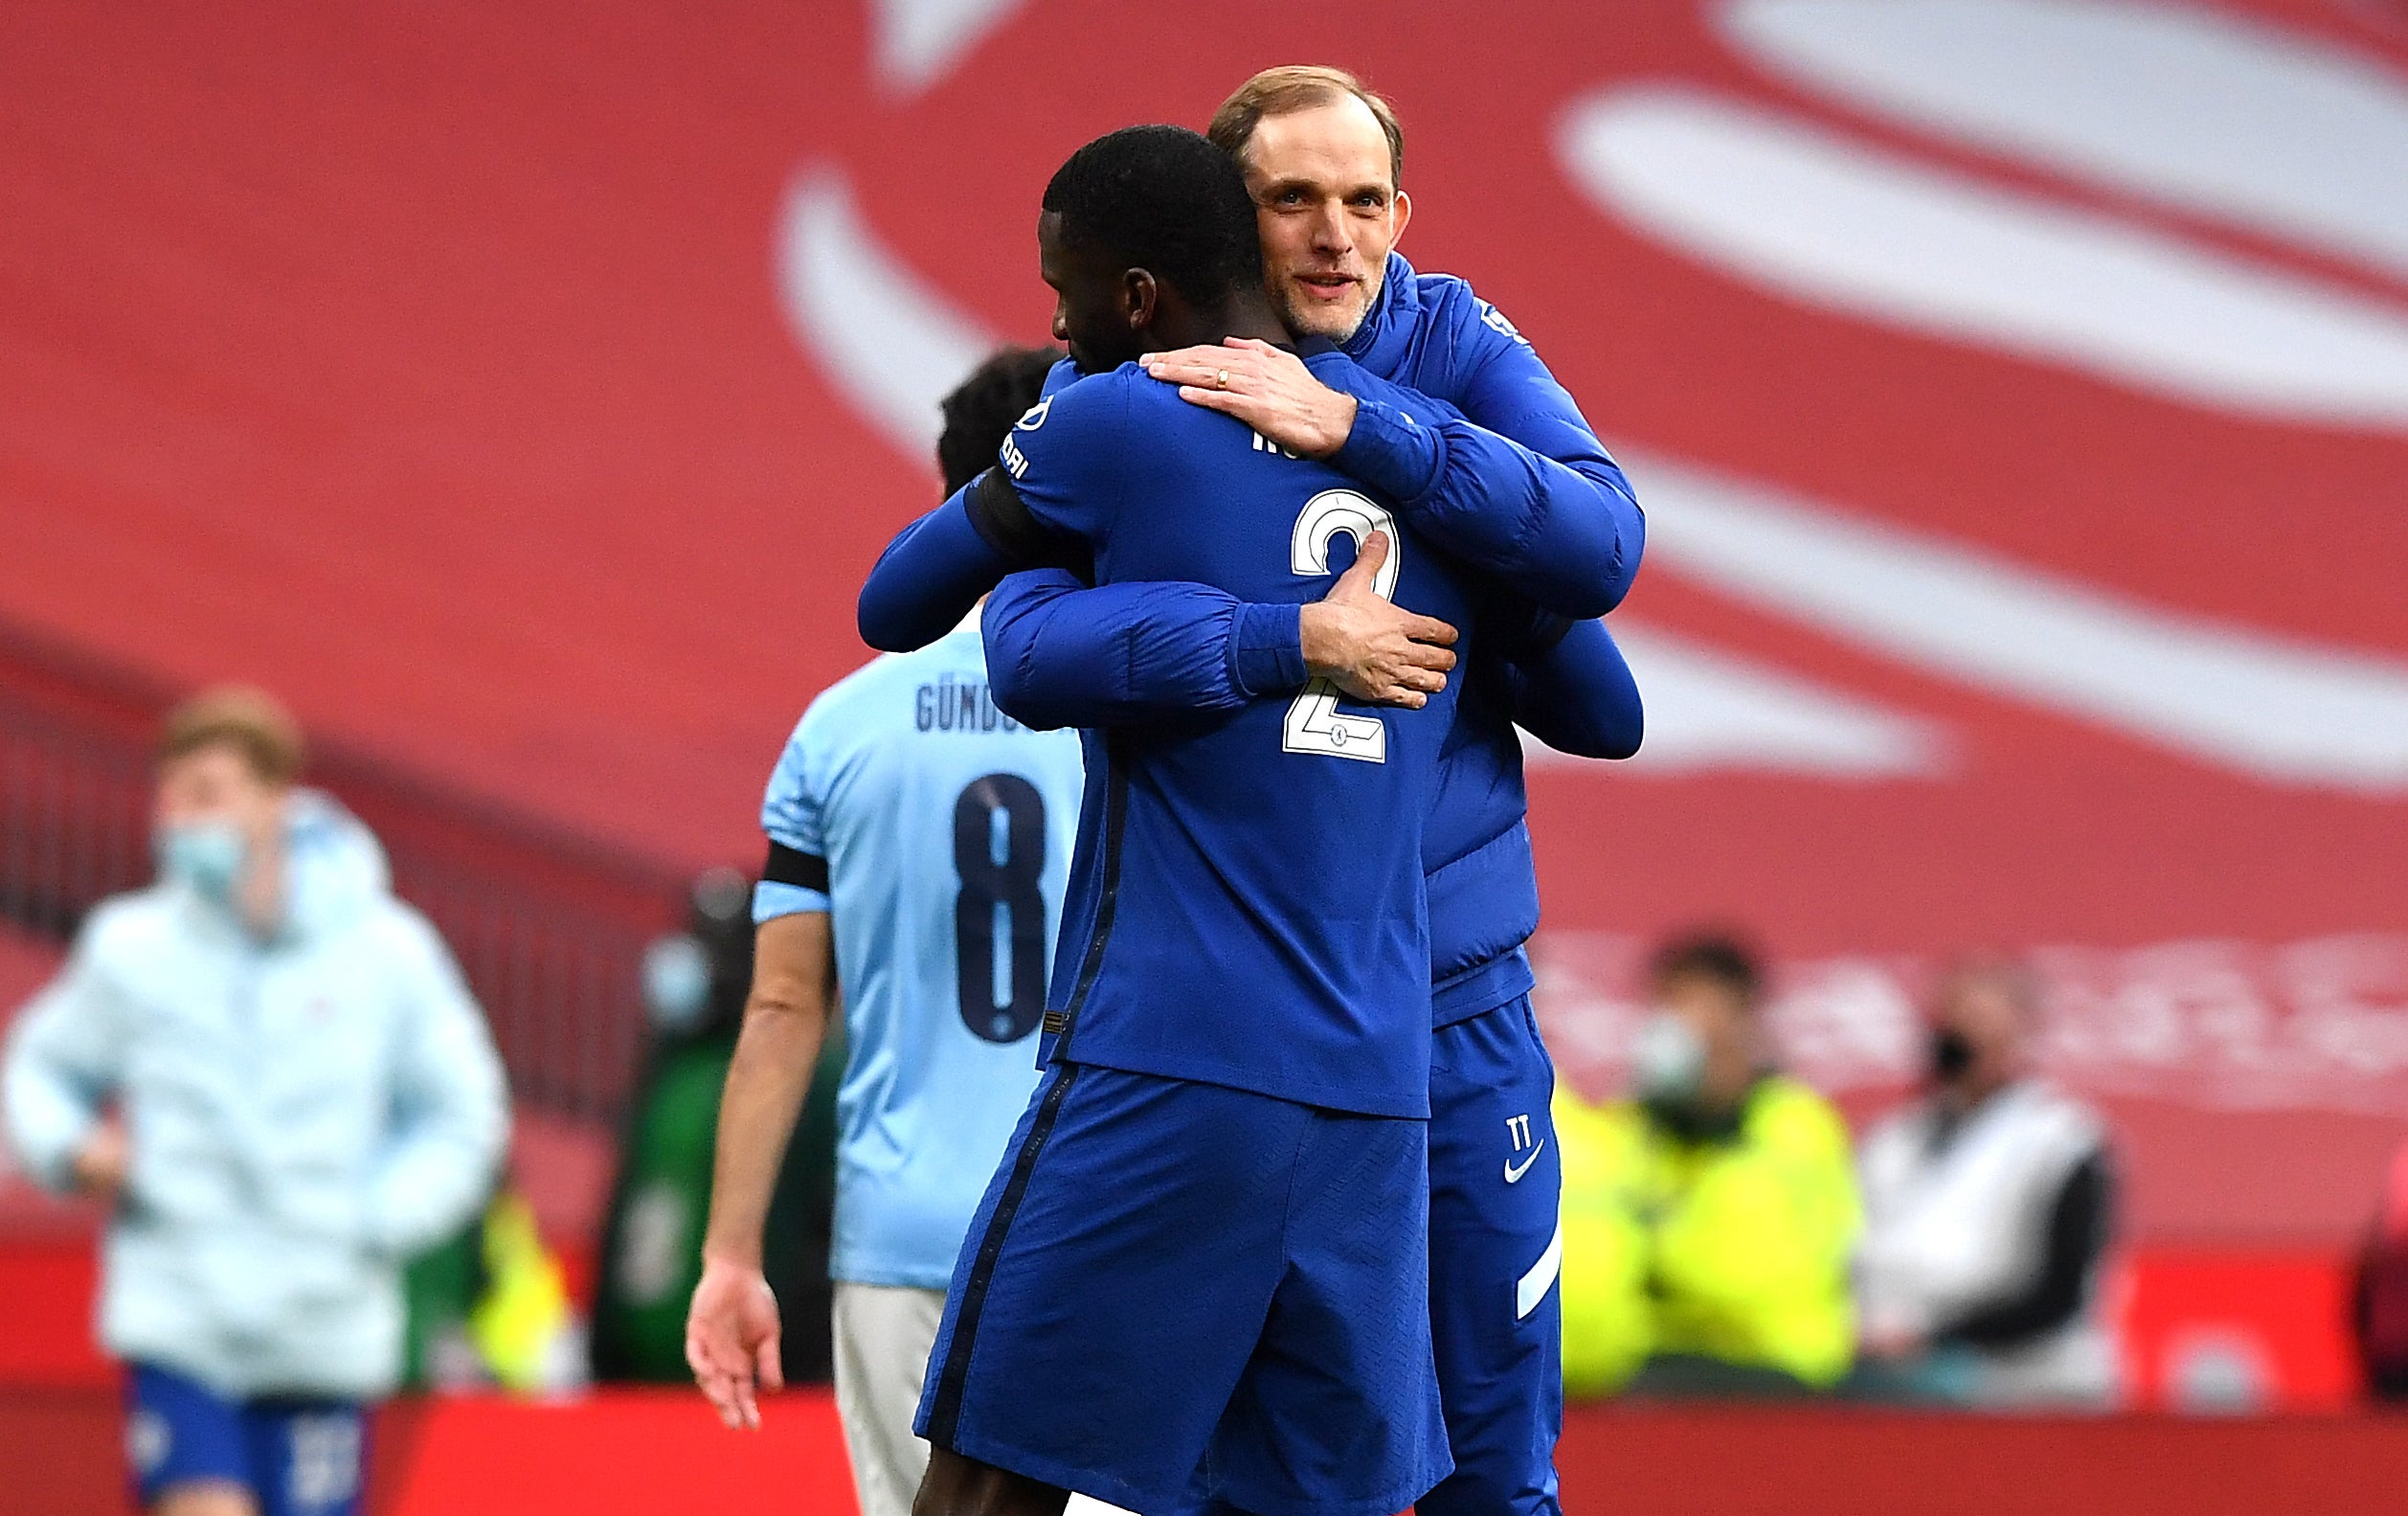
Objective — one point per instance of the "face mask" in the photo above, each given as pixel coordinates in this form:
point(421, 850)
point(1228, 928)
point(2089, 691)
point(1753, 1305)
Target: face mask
point(1951, 1054)
point(206, 855)
point(676, 983)
point(1668, 1060)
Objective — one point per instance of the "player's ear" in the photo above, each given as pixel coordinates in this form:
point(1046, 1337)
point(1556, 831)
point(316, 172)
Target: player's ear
point(1138, 296)
point(1404, 211)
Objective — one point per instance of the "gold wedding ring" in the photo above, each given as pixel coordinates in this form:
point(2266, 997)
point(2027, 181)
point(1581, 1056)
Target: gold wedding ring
point(1220, 379)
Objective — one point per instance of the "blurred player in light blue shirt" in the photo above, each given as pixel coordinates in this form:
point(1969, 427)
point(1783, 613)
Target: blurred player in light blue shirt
point(919, 843)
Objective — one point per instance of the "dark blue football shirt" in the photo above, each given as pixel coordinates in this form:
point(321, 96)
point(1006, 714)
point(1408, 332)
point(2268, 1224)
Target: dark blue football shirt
point(1247, 898)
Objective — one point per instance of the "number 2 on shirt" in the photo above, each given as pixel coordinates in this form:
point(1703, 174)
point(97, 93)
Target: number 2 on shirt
point(1314, 724)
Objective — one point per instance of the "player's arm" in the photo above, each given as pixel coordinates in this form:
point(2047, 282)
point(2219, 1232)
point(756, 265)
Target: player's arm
point(1046, 503)
point(1576, 694)
point(1516, 485)
point(1061, 654)
point(731, 1327)
point(937, 568)
point(1512, 482)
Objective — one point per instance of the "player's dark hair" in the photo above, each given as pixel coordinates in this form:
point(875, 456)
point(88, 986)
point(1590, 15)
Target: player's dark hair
point(1716, 955)
point(980, 410)
point(1163, 199)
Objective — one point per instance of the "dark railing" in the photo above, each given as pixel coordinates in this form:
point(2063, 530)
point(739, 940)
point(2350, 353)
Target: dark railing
point(550, 927)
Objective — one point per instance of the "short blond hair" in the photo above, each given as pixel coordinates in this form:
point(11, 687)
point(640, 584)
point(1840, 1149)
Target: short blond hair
point(249, 720)
point(1300, 86)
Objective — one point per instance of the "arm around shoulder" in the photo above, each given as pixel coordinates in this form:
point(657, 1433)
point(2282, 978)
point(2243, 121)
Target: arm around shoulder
point(1521, 487)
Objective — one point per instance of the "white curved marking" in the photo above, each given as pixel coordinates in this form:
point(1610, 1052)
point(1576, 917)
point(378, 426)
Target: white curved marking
point(1314, 724)
point(1713, 711)
point(1532, 1287)
point(2212, 113)
point(891, 343)
point(1831, 220)
point(1335, 510)
point(2276, 708)
point(919, 42)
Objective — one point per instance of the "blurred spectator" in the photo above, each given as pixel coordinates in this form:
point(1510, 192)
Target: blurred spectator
point(2381, 1314)
point(1988, 1208)
point(304, 1095)
point(694, 986)
point(490, 1308)
point(1706, 1221)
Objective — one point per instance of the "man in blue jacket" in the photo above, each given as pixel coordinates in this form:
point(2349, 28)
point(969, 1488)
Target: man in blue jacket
point(1517, 486)
point(308, 1096)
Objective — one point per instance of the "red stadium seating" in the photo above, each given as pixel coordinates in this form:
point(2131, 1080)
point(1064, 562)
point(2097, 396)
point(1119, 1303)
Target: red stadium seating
point(523, 389)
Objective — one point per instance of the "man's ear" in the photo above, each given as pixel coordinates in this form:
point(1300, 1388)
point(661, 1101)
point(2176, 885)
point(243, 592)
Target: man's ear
point(1139, 295)
point(1403, 213)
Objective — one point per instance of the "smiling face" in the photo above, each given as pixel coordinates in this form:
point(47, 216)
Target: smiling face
point(1325, 198)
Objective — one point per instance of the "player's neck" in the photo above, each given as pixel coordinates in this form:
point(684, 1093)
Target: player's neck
point(1246, 314)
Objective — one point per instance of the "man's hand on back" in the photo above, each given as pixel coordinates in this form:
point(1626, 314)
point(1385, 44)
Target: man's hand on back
point(1373, 650)
point(1268, 387)
point(731, 1339)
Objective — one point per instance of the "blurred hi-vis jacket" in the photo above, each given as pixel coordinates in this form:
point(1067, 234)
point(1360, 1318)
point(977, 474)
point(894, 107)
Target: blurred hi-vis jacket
point(303, 1113)
point(1734, 1249)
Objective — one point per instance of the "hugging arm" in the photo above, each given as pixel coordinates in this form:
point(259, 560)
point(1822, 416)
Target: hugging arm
point(1577, 696)
point(1060, 654)
point(1512, 482)
point(929, 575)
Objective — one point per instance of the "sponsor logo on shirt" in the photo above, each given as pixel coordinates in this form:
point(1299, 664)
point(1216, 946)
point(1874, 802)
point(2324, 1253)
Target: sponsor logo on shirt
point(1495, 320)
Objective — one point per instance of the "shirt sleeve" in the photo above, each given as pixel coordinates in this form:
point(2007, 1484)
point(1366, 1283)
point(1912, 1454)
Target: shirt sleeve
point(450, 1109)
point(929, 575)
point(2079, 1223)
point(1577, 696)
point(1514, 482)
point(1047, 503)
point(63, 1061)
point(1049, 500)
point(1061, 654)
point(795, 876)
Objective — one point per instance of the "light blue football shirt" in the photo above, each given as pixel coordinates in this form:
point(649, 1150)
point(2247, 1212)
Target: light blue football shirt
point(946, 827)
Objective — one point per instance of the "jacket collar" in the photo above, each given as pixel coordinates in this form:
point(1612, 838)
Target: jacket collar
point(1386, 333)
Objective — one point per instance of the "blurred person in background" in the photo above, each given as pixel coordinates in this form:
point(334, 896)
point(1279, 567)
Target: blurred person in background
point(2379, 1313)
point(919, 845)
point(694, 987)
point(1708, 1217)
point(272, 1071)
point(1989, 1204)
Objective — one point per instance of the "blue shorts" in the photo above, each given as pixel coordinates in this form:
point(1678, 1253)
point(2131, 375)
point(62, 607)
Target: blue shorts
point(1170, 1282)
point(296, 1457)
point(1496, 1246)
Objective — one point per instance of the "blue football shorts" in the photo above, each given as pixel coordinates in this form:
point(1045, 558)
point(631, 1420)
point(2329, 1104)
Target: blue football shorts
point(296, 1457)
point(1496, 1248)
point(1171, 1283)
